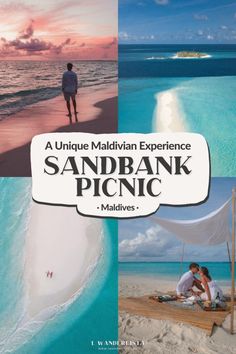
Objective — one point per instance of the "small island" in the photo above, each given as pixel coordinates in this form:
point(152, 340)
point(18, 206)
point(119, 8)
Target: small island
point(191, 54)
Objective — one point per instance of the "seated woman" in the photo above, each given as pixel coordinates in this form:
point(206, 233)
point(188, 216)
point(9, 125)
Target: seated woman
point(212, 289)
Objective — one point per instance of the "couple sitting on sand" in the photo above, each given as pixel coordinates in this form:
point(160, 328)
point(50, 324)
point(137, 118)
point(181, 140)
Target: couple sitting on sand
point(208, 289)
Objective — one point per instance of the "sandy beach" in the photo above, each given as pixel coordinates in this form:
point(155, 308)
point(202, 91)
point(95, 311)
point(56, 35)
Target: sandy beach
point(201, 57)
point(167, 115)
point(60, 241)
point(97, 113)
point(167, 337)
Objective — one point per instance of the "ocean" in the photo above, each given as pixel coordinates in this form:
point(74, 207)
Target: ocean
point(219, 271)
point(205, 89)
point(23, 83)
point(92, 316)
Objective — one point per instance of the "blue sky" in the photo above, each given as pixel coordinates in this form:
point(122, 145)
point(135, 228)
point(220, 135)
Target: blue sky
point(142, 240)
point(177, 21)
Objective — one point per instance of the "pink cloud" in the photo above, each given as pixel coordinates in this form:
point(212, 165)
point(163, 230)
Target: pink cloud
point(64, 29)
point(27, 32)
point(35, 45)
point(26, 44)
point(111, 43)
point(14, 7)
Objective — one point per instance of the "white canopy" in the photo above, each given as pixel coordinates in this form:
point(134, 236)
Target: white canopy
point(211, 229)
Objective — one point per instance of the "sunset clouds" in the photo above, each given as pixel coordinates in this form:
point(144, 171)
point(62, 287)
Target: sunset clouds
point(82, 29)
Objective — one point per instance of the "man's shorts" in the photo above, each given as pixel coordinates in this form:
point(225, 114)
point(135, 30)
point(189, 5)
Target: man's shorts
point(68, 95)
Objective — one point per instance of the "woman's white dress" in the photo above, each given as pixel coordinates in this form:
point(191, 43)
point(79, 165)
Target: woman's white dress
point(214, 291)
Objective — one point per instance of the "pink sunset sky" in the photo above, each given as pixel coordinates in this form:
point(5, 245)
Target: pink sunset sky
point(66, 29)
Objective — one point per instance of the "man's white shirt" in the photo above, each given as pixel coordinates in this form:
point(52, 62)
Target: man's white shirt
point(185, 283)
point(69, 82)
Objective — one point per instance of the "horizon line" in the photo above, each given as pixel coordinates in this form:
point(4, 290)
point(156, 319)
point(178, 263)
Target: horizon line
point(66, 60)
point(175, 43)
point(173, 261)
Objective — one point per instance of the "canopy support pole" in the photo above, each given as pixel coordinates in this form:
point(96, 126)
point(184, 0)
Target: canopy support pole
point(230, 265)
point(181, 260)
point(233, 263)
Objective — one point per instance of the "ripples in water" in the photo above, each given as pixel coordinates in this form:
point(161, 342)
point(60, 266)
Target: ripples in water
point(23, 83)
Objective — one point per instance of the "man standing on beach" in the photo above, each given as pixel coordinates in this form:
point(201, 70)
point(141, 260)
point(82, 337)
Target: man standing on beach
point(69, 89)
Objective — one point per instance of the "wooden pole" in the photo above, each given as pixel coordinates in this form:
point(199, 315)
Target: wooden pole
point(233, 263)
point(181, 260)
point(230, 263)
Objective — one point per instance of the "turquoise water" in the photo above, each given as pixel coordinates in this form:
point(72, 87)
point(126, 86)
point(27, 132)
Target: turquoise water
point(209, 105)
point(92, 316)
point(171, 270)
point(205, 89)
point(14, 212)
point(137, 102)
point(167, 51)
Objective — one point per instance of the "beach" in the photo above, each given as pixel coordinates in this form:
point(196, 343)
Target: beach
point(176, 56)
point(97, 113)
point(167, 337)
point(167, 115)
point(39, 311)
point(59, 240)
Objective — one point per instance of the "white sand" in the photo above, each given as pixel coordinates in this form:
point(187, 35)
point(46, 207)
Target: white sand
point(139, 286)
point(167, 115)
point(166, 337)
point(202, 57)
point(62, 241)
point(50, 115)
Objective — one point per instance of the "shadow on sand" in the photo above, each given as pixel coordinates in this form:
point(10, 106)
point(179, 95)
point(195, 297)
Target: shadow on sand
point(16, 162)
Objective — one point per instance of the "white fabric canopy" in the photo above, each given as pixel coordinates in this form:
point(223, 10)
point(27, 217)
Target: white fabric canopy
point(212, 229)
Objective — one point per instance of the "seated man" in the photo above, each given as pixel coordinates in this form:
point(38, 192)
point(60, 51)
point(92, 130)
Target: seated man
point(188, 281)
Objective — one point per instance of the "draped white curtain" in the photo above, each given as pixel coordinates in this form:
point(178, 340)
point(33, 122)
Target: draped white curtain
point(211, 229)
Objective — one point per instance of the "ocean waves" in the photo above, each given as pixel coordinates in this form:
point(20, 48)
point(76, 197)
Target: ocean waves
point(32, 82)
point(14, 214)
point(21, 331)
point(14, 102)
point(25, 328)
